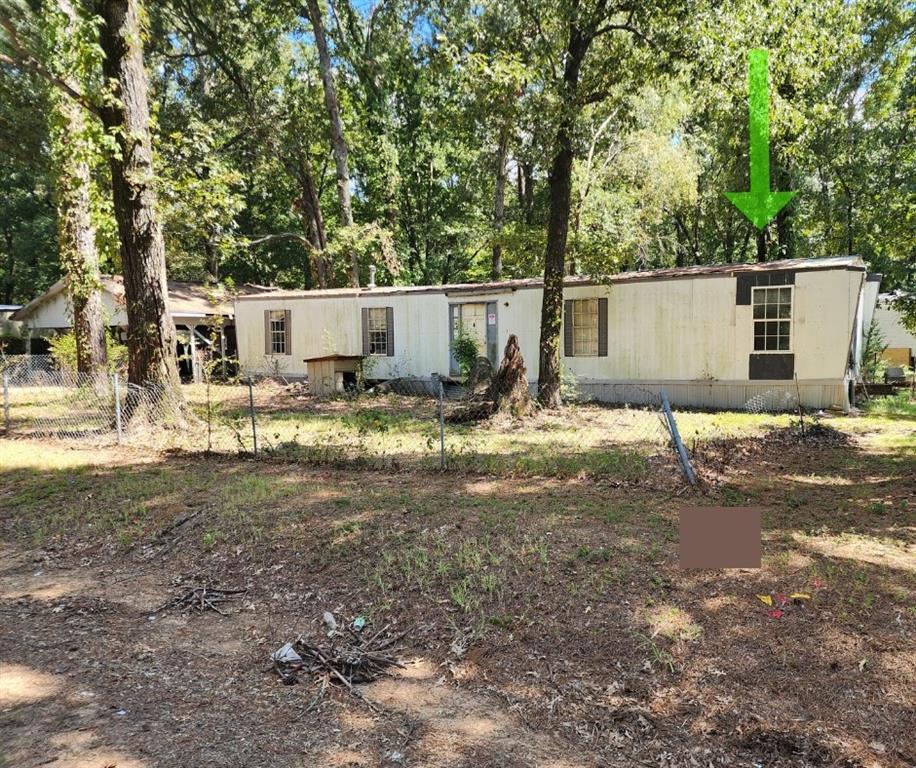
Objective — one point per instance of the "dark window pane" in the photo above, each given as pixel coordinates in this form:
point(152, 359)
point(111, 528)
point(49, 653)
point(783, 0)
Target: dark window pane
point(784, 343)
point(784, 329)
point(785, 310)
point(758, 311)
point(771, 343)
point(771, 310)
point(785, 294)
point(759, 343)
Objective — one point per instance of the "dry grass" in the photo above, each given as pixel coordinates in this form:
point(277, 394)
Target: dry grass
point(549, 607)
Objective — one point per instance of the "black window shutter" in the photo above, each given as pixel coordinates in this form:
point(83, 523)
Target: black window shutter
point(365, 313)
point(602, 327)
point(268, 347)
point(389, 328)
point(288, 327)
point(568, 328)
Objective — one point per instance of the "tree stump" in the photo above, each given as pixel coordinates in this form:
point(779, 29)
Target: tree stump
point(509, 391)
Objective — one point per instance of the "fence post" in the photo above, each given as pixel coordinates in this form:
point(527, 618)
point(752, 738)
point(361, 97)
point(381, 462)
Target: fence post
point(209, 415)
point(116, 380)
point(678, 443)
point(441, 422)
point(254, 426)
point(6, 402)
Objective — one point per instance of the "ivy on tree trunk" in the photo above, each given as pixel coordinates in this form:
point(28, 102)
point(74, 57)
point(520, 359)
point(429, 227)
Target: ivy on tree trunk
point(150, 334)
point(79, 256)
point(76, 238)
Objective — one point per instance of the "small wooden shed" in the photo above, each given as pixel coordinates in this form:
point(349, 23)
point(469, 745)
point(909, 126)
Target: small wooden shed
point(329, 373)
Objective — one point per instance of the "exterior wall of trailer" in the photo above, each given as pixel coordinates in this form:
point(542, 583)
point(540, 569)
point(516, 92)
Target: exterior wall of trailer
point(692, 336)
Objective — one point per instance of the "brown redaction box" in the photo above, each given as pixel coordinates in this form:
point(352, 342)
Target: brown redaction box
point(720, 537)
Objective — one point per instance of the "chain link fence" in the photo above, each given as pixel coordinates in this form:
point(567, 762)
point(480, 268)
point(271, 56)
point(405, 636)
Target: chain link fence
point(44, 400)
point(409, 423)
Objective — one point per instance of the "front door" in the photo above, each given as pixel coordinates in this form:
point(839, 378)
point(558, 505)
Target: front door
point(478, 320)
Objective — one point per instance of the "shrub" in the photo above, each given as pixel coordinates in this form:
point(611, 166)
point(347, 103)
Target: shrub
point(466, 351)
point(63, 350)
point(872, 364)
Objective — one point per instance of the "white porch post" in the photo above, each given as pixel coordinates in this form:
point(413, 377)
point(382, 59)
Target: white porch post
point(195, 368)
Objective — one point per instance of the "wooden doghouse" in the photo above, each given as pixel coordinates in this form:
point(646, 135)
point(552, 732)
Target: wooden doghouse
point(330, 374)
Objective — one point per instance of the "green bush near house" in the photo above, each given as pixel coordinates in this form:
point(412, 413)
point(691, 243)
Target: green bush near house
point(466, 351)
point(63, 350)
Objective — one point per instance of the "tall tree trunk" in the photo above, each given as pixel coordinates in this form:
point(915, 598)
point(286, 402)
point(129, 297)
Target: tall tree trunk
point(519, 185)
point(312, 12)
point(313, 219)
point(528, 170)
point(212, 259)
point(499, 203)
point(729, 246)
point(76, 234)
point(150, 332)
point(849, 210)
point(560, 183)
point(762, 245)
point(9, 281)
point(785, 245)
point(744, 245)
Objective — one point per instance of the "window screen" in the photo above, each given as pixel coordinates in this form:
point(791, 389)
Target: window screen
point(378, 331)
point(585, 327)
point(278, 332)
point(772, 319)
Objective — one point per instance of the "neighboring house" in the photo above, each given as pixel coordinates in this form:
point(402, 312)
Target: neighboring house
point(709, 336)
point(901, 344)
point(197, 311)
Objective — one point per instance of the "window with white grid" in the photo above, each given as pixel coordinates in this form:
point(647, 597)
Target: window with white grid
point(378, 331)
point(585, 327)
point(772, 318)
point(278, 331)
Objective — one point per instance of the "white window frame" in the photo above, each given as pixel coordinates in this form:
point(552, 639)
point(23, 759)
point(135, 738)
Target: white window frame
point(378, 336)
point(279, 333)
point(580, 327)
point(764, 320)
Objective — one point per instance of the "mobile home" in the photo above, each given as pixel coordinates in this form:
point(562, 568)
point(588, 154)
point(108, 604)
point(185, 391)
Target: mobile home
point(709, 336)
point(900, 343)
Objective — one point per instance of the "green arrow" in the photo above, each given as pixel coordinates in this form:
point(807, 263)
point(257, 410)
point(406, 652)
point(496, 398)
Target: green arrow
point(760, 205)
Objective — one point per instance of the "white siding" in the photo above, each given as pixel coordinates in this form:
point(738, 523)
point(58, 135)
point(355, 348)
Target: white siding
point(895, 335)
point(56, 312)
point(687, 335)
point(823, 322)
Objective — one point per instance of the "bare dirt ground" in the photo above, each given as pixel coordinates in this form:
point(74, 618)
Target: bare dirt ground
point(547, 621)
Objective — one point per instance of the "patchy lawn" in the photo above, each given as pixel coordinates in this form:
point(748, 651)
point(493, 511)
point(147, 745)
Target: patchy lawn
point(547, 621)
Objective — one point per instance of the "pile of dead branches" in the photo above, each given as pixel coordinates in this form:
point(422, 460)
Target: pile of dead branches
point(203, 598)
point(349, 658)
